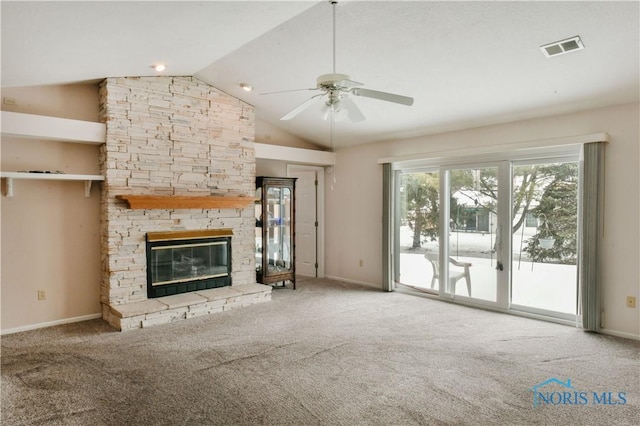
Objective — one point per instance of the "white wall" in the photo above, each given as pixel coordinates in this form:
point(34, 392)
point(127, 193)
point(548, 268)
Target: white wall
point(75, 101)
point(354, 207)
point(49, 230)
point(269, 134)
point(273, 168)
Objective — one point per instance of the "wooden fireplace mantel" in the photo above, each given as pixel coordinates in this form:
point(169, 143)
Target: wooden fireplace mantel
point(185, 202)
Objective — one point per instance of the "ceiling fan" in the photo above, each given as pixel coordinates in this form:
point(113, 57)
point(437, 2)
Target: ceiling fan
point(337, 89)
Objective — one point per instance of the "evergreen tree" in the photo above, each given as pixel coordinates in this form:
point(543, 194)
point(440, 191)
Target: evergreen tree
point(558, 204)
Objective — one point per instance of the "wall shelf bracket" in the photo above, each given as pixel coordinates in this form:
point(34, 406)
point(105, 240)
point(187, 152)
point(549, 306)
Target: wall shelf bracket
point(9, 187)
point(87, 188)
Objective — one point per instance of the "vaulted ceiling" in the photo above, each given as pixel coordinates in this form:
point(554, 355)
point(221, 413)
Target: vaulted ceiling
point(466, 64)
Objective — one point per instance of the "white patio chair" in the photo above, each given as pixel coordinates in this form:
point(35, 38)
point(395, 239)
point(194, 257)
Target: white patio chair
point(454, 275)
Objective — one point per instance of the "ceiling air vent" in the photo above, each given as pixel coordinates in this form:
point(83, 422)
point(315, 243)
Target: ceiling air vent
point(563, 46)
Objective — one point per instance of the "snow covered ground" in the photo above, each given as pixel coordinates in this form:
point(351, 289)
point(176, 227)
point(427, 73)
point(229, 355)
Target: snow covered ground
point(546, 286)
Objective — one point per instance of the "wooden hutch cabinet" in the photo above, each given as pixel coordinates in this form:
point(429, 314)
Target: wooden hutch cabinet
point(275, 230)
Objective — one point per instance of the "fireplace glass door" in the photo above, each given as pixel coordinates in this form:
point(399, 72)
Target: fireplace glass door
point(188, 262)
point(275, 204)
point(184, 261)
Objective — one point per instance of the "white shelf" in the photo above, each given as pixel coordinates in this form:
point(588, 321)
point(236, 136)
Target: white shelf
point(49, 176)
point(52, 128)
point(299, 155)
point(88, 179)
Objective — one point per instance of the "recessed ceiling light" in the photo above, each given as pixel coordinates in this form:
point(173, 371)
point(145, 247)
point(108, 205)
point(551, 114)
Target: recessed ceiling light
point(159, 67)
point(563, 46)
point(246, 87)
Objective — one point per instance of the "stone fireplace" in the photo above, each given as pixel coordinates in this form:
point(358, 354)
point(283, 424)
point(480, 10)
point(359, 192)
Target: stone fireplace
point(185, 149)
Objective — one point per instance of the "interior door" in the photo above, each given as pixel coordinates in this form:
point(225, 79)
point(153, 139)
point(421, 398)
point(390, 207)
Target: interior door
point(306, 222)
point(471, 256)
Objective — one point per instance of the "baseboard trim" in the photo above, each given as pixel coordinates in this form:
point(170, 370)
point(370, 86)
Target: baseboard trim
point(49, 324)
point(347, 280)
point(619, 334)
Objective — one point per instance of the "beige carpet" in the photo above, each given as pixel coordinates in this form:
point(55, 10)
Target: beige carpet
point(328, 353)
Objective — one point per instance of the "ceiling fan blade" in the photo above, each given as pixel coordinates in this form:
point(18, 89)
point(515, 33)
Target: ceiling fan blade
point(348, 84)
point(354, 113)
point(297, 110)
point(286, 91)
point(383, 96)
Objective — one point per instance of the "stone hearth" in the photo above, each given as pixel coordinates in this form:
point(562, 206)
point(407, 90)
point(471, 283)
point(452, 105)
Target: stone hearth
point(164, 310)
point(173, 136)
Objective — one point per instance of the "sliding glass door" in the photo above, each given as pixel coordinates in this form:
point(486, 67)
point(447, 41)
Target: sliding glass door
point(418, 227)
point(501, 234)
point(473, 247)
point(545, 234)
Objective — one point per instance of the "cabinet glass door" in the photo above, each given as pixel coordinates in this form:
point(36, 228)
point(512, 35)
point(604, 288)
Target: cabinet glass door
point(278, 234)
point(275, 230)
point(258, 236)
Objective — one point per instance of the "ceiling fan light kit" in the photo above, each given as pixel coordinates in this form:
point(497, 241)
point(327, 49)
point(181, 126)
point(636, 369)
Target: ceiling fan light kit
point(336, 88)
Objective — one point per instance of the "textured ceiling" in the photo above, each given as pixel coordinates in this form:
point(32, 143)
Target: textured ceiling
point(466, 63)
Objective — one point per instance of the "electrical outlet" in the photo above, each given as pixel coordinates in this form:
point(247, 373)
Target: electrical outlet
point(42, 295)
point(631, 302)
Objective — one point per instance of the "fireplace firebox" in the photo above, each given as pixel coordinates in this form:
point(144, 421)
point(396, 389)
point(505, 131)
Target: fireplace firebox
point(184, 261)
